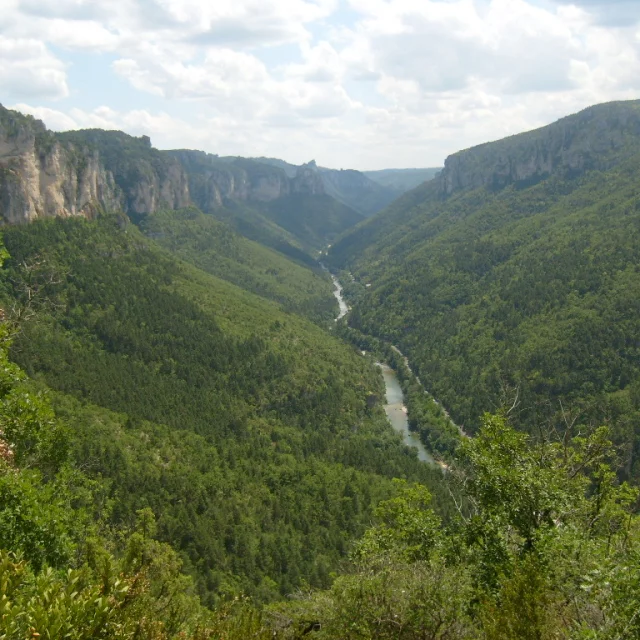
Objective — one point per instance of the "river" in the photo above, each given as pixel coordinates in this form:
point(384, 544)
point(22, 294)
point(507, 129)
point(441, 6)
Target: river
point(397, 413)
point(337, 292)
point(394, 408)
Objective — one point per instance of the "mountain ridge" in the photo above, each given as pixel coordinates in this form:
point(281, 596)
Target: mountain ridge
point(514, 274)
point(46, 174)
point(574, 144)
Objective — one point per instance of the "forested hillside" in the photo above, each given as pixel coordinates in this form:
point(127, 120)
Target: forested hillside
point(314, 219)
point(254, 437)
point(513, 277)
point(191, 448)
point(216, 248)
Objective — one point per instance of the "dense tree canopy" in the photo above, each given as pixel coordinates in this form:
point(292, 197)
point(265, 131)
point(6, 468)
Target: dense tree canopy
point(187, 452)
point(246, 430)
point(527, 293)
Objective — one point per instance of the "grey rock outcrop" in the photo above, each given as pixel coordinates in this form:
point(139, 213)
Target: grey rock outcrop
point(572, 145)
point(212, 180)
point(168, 189)
point(41, 177)
point(308, 180)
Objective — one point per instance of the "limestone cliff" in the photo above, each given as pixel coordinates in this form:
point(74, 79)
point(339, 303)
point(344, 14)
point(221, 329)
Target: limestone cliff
point(148, 179)
point(45, 174)
point(80, 172)
point(308, 180)
point(591, 139)
point(214, 180)
point(43, 177)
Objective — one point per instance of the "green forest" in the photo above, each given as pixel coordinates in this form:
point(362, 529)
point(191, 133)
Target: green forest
point(525, 296)
point(192, 448)
point(218, 249)
point(204, 403)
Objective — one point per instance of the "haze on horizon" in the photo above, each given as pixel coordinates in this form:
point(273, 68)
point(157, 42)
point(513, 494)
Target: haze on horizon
point(366, 84)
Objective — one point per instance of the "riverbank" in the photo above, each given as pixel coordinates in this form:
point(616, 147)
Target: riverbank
point(426, 416)
point(438, 404)
point(405, 407)
point(396, 411)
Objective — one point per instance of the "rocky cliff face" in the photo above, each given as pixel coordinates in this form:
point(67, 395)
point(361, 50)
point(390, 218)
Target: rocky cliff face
point(168, 189)
point(308, 180)
point(43, 174)
point(212, 180)
point(42, 177)
point(147, 179)
point(81, 172)
point(587, 140)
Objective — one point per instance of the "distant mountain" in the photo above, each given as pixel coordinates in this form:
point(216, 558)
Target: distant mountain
point(356, 190)
point(353, 188)
point(402, 180)
point(513, 275)
point(46, 174)
point(314, 219)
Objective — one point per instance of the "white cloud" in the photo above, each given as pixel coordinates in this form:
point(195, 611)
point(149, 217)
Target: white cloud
point(403, 82)
point(221, 75)
point(227, 23)
point(28, 69)
point(239, 83)
point(54, 119)
point(512, 45)
point(321, 63)
point(67, 9)
point(86, 35)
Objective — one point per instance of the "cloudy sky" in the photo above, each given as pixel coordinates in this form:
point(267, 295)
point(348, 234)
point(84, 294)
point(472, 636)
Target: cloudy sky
point(366, 84)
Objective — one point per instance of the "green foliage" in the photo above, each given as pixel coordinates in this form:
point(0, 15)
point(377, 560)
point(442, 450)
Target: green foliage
point(215, 248)
point(407, 527)
point(52, 607)
point(526, 294)
point(13, 123)
point(34, 504)
point(315, 220)
point(392, 601)
point(154, 602)
point(58, 577)
point(35, 518)
point(546, 547)
point(244, 429)
point(251, 222)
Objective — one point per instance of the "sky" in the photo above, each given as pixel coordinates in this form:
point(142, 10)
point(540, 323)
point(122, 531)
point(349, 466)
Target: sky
point(364, 84)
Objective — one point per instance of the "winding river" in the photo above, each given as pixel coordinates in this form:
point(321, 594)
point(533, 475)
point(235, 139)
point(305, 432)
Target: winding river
point(337, 292)
point(397, 413)
point(394, 408)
